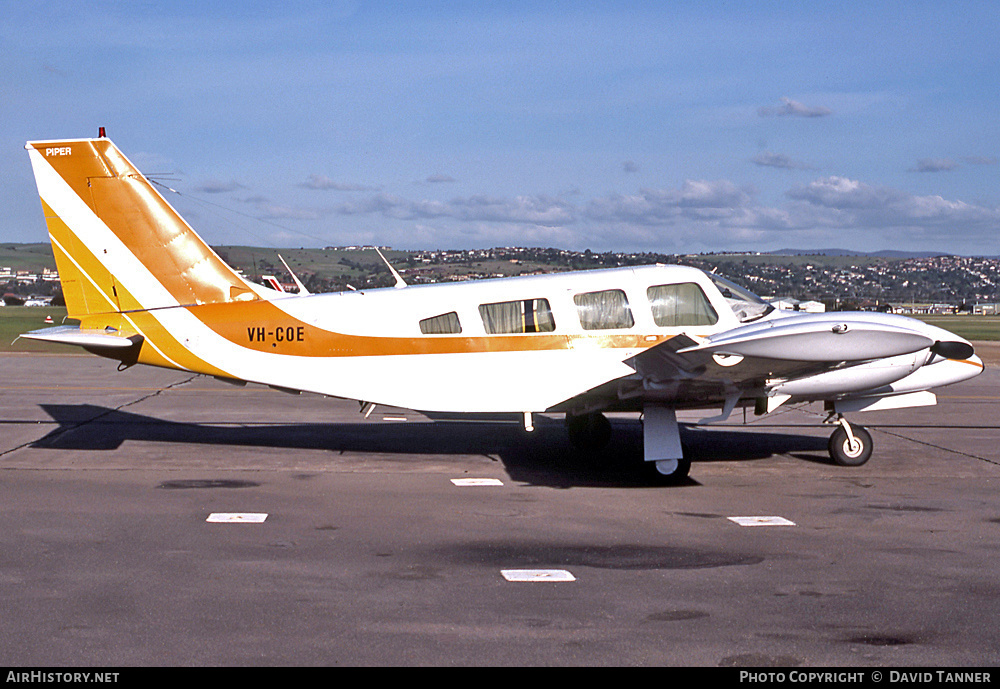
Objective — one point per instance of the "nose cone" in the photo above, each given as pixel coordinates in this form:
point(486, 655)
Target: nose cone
point(952, 359)
point(948, 345)
point(953, 362)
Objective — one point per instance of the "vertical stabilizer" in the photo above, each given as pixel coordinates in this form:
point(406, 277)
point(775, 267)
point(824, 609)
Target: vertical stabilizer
point(119, 246)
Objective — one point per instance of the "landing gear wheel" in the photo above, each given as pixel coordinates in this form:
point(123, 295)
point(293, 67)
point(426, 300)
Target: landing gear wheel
point(590, 432)
point(669, 472)
point(847, 453)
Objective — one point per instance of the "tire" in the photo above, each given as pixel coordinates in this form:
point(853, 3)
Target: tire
point(843, 453)
point(679, 475)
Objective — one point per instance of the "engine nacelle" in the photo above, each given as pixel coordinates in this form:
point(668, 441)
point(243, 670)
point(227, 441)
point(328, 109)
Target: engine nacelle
point(873, 374)
point(937, 373)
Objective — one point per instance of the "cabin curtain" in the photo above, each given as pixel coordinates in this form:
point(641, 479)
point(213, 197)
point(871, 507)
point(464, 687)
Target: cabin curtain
point(604, 310)
point(680, 305)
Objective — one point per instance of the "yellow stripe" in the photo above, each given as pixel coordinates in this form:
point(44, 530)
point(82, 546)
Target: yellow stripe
point(87, 284)
point(128, 324)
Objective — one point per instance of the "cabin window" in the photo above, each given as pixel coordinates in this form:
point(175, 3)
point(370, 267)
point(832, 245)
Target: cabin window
point(445, 324)
point(605, 310)
point(524, 316)
point(680, 305)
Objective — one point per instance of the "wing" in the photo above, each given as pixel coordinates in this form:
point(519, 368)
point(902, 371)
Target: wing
point(757, 360)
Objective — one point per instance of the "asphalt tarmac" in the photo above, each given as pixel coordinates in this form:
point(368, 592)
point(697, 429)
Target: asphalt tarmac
point(371, 554)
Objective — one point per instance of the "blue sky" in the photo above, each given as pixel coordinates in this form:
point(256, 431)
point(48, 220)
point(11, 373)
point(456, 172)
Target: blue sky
point(668, 127)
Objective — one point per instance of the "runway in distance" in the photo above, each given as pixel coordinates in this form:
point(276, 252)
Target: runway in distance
point(655, 339)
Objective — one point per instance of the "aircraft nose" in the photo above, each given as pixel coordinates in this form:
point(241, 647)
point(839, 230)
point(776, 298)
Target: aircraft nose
point(953, 359)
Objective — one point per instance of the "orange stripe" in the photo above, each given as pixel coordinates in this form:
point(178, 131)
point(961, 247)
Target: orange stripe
point(261, 326)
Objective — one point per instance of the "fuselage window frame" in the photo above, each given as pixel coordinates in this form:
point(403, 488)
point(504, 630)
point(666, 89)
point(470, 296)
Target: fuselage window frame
point(520, 316)
point(443, 324)
point(604, 310)
point(681, 304)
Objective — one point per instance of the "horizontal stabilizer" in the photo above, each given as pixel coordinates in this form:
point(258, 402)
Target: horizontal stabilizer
point(810, 340)
point(73, 335)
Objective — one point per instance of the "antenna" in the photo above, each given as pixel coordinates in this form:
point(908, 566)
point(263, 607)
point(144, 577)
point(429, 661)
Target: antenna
point(298, 283)
point(400, 282)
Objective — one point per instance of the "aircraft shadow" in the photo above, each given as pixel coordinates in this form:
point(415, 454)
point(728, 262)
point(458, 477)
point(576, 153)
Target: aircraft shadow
point(543, 457)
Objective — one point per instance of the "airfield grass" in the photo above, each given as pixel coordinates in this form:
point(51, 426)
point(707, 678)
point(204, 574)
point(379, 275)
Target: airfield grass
point(983, 328)
point(15, 320)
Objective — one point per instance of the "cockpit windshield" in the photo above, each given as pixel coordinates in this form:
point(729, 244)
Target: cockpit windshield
point(745, 304)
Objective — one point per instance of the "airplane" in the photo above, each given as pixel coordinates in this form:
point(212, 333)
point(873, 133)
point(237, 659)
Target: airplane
point(655, 339)
point(274, 284)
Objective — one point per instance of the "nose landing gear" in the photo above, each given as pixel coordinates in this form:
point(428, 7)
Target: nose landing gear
point(850, 446)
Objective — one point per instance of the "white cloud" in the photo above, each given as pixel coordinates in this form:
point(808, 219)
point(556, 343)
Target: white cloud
point(831, 209)
point(274, 211)
point(696, 215)
point(935, 165)
point(855, 204)
point(844, 193)
point(791, 108)
point(324, 183)
point(439, 179)
point(539, 210)
point(694, 200)
point(778, 160)
point(215, 186)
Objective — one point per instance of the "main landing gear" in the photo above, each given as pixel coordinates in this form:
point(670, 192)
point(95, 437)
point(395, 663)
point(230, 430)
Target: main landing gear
point(664, 458)
point(850, 445)
point(661, 440)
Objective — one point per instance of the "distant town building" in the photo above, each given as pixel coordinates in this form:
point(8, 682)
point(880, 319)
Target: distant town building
point(924, 309)
point(789, 304)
